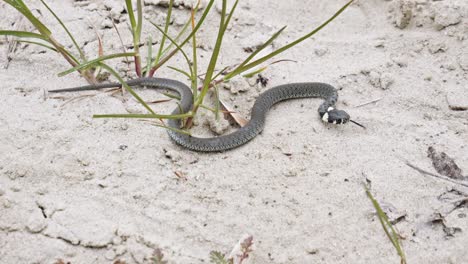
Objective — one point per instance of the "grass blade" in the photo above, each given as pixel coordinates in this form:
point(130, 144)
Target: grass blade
point(178, 47)
point(22, 34)
point(294, 43)
point(131, 14)
point(136, 31)
point(387, 225)
point(215, 54)
point(149, 57)
point(194, 77)
point(23, 9)
point(262, 47)
point(126, 86)
point(180, 71)
point(37, 43)
point(80, 51)
point(166, 28)
point(95, 61)
point(200, 22)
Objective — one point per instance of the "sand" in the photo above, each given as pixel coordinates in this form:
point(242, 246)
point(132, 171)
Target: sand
point(90, 190)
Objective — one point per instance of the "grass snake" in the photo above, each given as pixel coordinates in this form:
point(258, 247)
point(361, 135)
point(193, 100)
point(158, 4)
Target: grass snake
point(264, 102)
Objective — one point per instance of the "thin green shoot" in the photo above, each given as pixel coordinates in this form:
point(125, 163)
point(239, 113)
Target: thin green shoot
point(92, 63)
point(173, 52)
point(23, 9)
point(180, 71)
point(136, 26)
point(217, 102)
point(214, 57)
point(22, 34)
point(286, 47)
point(252, 74)
point(80, 51)
point(126, 86)
point(178, 47)
point(262, 47)
point(194, 53)
point(36, 43)
point(166, 29)
point(387, 225)
point(149, 56)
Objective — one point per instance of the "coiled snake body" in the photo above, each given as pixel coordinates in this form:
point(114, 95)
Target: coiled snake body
point(263, 103)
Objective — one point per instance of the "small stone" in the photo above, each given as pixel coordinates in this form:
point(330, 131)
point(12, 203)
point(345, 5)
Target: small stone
point(110, 254)
point(291, 172)
point(386, 80)
point(400, 61)
point(445, 16)
point(173, 155)
point(15, 188)
point(55, 230)
point(449, 66)
point(91, 7)
point(457, 98)
point(218, 126)
point(106, 23)
point(42, 191)
point(7, 203)
point(36, 224)
point(437, 47)
point(2, 191)
point(237, 85)
point(116, 8)
point(320, 51)
point(463, 61)
point(403, 13)
point(374, 78)
point(428, 78)
point(120, 250)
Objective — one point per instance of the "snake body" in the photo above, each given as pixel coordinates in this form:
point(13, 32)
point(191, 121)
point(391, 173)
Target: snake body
point(260, 108)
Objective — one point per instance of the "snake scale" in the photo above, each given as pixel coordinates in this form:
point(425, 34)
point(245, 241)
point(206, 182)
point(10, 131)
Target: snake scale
point(260, 108)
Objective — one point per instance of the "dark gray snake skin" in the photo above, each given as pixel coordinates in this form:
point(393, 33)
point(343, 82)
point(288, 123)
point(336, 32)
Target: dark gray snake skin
point(263, 103)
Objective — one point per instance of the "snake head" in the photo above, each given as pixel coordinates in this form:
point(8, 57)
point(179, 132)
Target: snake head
point(335, 116)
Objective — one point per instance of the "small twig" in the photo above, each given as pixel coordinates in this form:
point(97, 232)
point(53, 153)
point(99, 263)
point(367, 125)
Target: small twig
point(435, 175)
point(370, 102)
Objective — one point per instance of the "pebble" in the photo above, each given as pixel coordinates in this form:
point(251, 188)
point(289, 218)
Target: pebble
point(218, 126)
point(457, 99)
point(36, 224)
point(437, 47)
point(173, 155)
point(110, 254)
point(290, 173)
point(403, 12)
point(386, 80)
point(321, 51)
point(380, 80)
point(463, 61)
point(55, 230)
point(2, 191)
point(116, 7)
point(400, 61)
point(237, 85)
point(445, 16)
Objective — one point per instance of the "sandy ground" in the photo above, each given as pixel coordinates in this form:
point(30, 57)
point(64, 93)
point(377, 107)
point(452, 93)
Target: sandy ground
point(97, 191)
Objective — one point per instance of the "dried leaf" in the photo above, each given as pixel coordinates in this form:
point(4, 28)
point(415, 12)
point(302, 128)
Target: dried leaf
point(444, 164)
point(236, 116)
